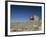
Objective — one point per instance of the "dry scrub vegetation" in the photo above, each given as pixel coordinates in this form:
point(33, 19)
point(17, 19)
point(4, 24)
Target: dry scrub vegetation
point(30, 25)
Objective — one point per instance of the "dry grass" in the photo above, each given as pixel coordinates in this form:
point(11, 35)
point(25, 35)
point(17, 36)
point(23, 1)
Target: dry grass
point(26, 26)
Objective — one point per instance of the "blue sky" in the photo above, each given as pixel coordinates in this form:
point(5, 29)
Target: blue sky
point(21, 13)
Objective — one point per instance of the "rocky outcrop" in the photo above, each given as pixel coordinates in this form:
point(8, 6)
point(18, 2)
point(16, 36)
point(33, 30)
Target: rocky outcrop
point(34, 18)
point(33, 24)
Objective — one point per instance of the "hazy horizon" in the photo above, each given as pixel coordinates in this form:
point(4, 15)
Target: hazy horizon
point(22, 13)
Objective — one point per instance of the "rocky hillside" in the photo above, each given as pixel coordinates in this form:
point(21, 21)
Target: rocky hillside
point(33, 24)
